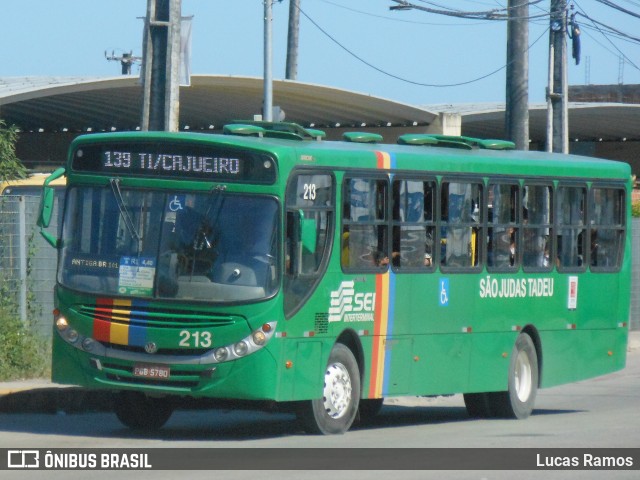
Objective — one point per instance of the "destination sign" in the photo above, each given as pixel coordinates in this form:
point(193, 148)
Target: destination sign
point(175, 161)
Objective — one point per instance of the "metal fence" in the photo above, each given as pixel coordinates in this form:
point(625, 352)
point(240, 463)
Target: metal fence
point(28, 264)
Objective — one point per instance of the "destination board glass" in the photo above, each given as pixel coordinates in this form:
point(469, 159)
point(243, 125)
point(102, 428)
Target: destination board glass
point(175, 160)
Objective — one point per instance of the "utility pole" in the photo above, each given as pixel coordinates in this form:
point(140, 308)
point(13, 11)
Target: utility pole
point(160, 75)
point(292, 40)
point(517, 88)
point(558, 88)
point(267, 104)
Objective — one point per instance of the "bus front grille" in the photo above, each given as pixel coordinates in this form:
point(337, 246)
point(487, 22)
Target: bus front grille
point(177, 352)
point(154, 317)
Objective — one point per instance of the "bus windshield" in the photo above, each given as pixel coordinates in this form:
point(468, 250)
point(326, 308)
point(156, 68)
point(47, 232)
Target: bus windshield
point(211, 246)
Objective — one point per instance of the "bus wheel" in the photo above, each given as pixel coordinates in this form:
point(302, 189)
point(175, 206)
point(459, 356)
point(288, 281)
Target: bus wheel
point(140, 412)
point(518, 400)
point(336, 410)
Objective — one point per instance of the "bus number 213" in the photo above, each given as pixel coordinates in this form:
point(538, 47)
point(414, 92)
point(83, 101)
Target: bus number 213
point(309, 191)
point(195, 339)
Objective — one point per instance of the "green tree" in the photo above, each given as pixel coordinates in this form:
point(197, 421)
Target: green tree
point(11, 167)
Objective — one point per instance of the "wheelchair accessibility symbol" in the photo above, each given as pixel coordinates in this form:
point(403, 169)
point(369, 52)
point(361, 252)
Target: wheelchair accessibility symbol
point(176, 203)
point(444, 292)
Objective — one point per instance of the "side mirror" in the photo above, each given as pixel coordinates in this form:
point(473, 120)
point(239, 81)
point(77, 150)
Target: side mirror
point(46, 207)
point(308, 232)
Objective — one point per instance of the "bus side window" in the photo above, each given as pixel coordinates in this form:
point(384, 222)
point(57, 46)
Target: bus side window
point(537, 223)
point(607, 227)
point(503, 233)
point(413, 224)
point(461, 220)
point(571, 231)
point(364, 229)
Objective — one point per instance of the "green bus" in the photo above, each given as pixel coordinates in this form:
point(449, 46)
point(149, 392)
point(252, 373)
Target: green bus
point(268, 264)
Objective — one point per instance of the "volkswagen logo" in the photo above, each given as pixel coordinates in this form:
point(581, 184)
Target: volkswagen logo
point(151, 347)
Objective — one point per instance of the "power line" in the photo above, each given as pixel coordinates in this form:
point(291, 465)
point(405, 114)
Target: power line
point(402, 20)
point(618, 7)
point(501, 14)
point(616, 53)
point(596, 25)
point(610, 29)
point(633, 2)
point(384, 72)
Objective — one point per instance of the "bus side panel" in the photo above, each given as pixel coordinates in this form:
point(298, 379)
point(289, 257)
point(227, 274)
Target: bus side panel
point(573, 355)
point(399, 360)
point(602, 300)
point(489, 364)
point(441, 364)
point(301, 369)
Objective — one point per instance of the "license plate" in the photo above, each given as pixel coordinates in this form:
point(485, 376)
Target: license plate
point(151, 371)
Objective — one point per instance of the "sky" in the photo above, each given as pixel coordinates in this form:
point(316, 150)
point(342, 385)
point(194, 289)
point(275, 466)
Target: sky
point(410, 56)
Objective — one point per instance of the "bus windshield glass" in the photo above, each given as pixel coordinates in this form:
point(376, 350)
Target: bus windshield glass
point(211, 246)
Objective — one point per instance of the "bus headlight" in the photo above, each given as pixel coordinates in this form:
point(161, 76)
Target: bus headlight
point(72, 335)
point(221, 354)
point(259, 338)
point(241, 348)
point(253, 342)
point(88, 344)
point(62, 324)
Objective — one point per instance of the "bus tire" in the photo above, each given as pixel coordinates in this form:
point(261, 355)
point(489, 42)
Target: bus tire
point(518, 401)
point(140, 412)
point(336, 410)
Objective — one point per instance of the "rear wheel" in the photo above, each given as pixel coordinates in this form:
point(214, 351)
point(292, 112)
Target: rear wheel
point(336, 410)
point(140, 412)
point(519, 399)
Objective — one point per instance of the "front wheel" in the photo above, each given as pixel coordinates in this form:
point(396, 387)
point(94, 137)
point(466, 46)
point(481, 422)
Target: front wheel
point(140, 412)
point(336, 410)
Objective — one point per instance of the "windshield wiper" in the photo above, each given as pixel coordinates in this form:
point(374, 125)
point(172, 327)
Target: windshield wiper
point(200, 240)
point(128, 221)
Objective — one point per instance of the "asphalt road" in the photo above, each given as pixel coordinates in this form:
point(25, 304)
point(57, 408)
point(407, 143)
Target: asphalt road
point(598, 413)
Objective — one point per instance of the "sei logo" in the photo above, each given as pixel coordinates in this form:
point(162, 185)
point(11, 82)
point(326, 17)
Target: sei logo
point(349, 306)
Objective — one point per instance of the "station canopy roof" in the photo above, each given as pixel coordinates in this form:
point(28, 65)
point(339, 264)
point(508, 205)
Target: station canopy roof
point(80, 104)
point(588, 122)
point(104, 104)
